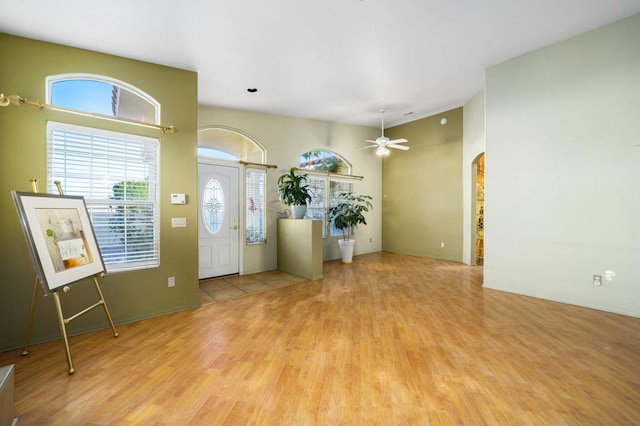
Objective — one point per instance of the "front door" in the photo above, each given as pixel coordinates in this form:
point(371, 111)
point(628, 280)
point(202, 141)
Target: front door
point(219, 222)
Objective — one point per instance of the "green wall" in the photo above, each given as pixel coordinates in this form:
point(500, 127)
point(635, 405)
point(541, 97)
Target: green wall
point(422, 189)
point(130, 295)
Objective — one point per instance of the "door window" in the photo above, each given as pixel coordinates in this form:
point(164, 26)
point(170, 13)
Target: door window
point(213, 206)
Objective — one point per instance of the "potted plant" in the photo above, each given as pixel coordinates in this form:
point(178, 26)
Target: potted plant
point(294, 192)
point(345, 215)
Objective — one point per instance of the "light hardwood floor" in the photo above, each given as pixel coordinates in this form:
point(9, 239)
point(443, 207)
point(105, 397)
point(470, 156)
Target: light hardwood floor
point(390, 339)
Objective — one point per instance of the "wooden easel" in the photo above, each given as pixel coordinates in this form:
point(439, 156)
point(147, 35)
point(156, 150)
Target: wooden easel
point(61, 319)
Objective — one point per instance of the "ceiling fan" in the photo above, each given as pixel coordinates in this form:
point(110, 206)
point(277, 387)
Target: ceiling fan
point(383, 143)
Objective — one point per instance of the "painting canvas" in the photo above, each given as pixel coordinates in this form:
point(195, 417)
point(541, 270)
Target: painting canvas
point(60, 238)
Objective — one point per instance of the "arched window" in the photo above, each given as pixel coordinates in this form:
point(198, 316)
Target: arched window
point(116, 173)
point(327, 185)
point(225, 143)
point(324, 161)
point(102, 95)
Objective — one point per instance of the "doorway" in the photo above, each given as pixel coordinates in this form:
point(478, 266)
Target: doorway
point(218, 220)
point(478, 227)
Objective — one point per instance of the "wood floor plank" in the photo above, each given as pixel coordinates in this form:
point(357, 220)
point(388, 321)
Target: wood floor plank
point(389, 339)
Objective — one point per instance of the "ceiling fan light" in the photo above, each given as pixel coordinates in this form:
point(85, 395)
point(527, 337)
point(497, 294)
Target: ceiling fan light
point(382, 151)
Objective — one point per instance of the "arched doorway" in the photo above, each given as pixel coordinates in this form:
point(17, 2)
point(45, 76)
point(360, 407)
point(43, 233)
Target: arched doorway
point(477, 235)
point(220, 222)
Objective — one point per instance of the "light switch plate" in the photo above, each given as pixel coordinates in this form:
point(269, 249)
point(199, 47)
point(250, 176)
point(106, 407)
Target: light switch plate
point(178, 222)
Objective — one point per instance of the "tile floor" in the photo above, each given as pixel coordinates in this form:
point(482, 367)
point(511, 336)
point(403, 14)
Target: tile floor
point(221, 289)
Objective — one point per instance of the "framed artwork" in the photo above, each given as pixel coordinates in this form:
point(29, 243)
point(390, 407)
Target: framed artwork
point(60, 238)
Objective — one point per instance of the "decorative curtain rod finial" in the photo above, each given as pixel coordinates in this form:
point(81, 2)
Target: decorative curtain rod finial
point(11, 99)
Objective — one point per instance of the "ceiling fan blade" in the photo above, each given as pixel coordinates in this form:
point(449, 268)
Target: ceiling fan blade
point(370, 141)
point(402, 147)
point(401, 140)
point(368, 146)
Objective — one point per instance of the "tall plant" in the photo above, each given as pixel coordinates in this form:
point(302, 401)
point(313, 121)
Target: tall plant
point(292, 188)
point(347, 213)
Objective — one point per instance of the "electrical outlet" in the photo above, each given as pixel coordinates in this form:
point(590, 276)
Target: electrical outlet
point(171, 282)
point(441, 244)
point(597, 280)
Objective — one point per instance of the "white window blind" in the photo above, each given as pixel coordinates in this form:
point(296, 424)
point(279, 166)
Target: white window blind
point(117, 174)
point(255, 214)
point(337, 187)
point(323, 198)
point(317, 207)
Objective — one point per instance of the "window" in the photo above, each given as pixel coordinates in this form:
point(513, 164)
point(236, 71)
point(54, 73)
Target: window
point(324, 161)
point(328, 162)
point(325, 188)
point(317, 207)
point(337, 187)
point(204, 151)
point(118, 176)
point(255, 214)
point(229, 144)
point(322, 199)
point(213, 206)
point(102, 95)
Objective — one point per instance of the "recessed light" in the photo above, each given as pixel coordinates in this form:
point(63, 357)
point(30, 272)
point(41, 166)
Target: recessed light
point(252, 90)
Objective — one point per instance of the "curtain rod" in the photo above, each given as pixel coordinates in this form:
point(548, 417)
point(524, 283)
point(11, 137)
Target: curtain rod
point(340, 175)
point(249, 163)
point(17, 100)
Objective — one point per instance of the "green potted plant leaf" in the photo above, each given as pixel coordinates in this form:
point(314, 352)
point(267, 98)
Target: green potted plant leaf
point(345, 215)
point(294, 192)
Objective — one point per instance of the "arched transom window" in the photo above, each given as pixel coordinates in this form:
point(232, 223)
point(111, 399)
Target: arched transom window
point(102, 95)
point(229, 144)
point(324, 161)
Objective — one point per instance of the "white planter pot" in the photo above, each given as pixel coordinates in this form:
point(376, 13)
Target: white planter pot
point(298, 212)
point(346, 250)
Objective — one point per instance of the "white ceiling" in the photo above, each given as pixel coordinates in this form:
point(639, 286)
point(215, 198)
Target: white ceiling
point(334, 60)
